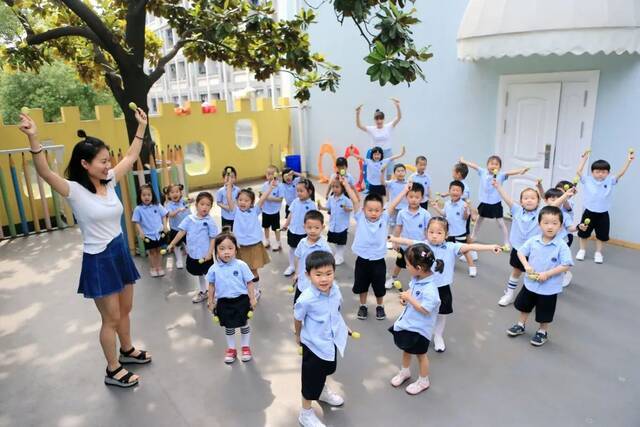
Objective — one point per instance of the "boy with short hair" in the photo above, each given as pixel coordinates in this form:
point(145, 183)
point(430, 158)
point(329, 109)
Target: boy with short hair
point(597, 201)
point(321, 332)
point(423, 178)
point(545, 257)
point(313, 226)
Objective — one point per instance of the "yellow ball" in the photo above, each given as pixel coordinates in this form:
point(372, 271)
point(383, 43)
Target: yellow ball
point(399, 255)
point(300, 350)
point(216, 319)
point(163, 251)
point(250, 314)
point(290, 289)
point(631, 151)
point(24, 110)
point(133, 106)
point(397, 284)
point(355, 335)
point(587, 221)
point(505, 248)
point(566, 187)
point(146, 240)
point(533, 276)
point(201, 261)
point(495, 171)
point(343, 172)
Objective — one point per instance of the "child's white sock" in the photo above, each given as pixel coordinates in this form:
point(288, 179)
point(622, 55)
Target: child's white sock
point(245, 336)
point(476, 228)
point(230, 334)
point(292, 258)
point(202, 284)
point(340, 251)
point(513, 282)
point(441, 320)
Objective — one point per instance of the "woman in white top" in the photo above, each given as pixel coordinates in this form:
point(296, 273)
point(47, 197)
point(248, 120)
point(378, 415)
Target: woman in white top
point(381, 132)
point(108, 272)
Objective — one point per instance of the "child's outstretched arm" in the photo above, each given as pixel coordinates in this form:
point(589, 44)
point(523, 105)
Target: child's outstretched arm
point(513, 172)
point(358, 124)
point(434, 205)
point(395, 121)
point(496, 249)
point(179, 235)
point(630, 157)
point(470, 164)
point(539, 187)
point(507, 199)
point(351, 193)
point(566, 196)
point(402, 240)
point(395, 202)
point(583, 161)
point(353, 153)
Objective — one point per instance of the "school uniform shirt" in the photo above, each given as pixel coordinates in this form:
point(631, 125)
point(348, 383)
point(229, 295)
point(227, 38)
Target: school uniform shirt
point(230, 278)
point(150, 219)
point(374, 171)
point(524, 225)
point(449, 253)
point(323, 328)
point(487, 193)
point(221, 198)
point(302, 252)
point(544, 257)
point(381, 137)
point(339, 218)
point(414, 224)
point(395, 187)
point(466, 194)
point(567, 221)
point(98, 217)
point(370, 241)
point(454, 213)
point(269, 207)
point(425, 180)
point(350, 179)
point(411, 319)
point(246, 226)
point(172, 206)
point(597, 194)
point(298, 209)
point(199, 231)
point(289, 190)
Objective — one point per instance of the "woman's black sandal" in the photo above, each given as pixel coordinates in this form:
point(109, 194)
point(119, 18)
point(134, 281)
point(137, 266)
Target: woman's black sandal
point(141, 358)
point(124, 382)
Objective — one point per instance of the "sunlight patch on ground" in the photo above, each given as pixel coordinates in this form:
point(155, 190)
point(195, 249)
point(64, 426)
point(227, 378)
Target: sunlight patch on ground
point(10, 323)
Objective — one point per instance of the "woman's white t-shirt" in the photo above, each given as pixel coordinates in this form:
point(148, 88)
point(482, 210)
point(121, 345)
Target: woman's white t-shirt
point(381, 137)
point(97, 216)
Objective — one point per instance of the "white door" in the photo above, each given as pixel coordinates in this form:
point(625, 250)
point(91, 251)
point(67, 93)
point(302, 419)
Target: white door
point(529, 133)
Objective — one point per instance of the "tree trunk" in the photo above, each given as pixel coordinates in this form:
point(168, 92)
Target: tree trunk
point(136, 90)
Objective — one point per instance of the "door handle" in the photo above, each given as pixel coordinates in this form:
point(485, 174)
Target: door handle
point(547, 155)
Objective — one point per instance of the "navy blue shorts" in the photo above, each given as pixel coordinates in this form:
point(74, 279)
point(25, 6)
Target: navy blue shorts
point(107, 272)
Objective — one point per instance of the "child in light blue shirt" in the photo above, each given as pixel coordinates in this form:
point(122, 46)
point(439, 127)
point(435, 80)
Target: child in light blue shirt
point(229, 174)
point(423, 178)
point(271, 208)
point(178, 209)
point(321, 332)
point(339, 207)
point(294, 223)
point(597, 189)
point(545, 257)
point(231, 295)
point(313, 226)
point(150, 219)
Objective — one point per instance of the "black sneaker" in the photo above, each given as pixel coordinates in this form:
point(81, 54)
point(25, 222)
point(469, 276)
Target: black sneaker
point(515, 330)
point(380, 314)
point(539, 339)
point(363, 312)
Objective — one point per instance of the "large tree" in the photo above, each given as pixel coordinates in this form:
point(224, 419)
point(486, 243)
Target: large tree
point(108, 43)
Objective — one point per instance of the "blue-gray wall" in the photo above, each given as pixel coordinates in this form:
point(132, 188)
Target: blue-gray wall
point(453, 113)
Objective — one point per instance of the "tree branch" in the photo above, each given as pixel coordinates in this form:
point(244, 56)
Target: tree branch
point(21, 17)
point(362, 32)
point(134, 31)
point(57, 33)
point(159, 70)
point(106, 37)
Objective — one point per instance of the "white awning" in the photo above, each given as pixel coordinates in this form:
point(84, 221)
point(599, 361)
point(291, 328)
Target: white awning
point(499, 28)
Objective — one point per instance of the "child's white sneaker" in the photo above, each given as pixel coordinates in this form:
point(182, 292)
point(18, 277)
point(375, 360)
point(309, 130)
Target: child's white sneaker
point(161, 272)
point(389, 283)
point(266, 243)
point(566, 279)
point(438, 344)
point(179, 264)
point(598, 258)
point(289, 271)
point(330, 397)
point(153, 273)
point(419, 386)
point(508, 298)
point(199, 297)
point(308, 418)
point(339, 260)
point(473, 271)
point(403, 375)
point(580, 255)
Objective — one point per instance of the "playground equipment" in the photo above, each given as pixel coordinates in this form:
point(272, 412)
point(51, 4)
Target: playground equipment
point(327, 149)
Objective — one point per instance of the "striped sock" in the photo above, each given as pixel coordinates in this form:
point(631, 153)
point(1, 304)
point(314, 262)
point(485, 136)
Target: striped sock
point(513, 282)
point(231, 338)
point(245, 336)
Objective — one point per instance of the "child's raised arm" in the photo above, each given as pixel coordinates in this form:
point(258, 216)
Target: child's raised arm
point(358, 124)
point(434, 205)
point(539, 187)
point(397, 156)
point(513, 172)
point(583, 161)
point(507, 199)
point(630, 158)
point(229, 190)
point(351, 193)
point(470, 164)
point(566, 196)
point(265, 194)
point(353, 153)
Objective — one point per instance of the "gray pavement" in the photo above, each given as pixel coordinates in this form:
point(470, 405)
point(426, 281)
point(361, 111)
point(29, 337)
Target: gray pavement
point(51, 366)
